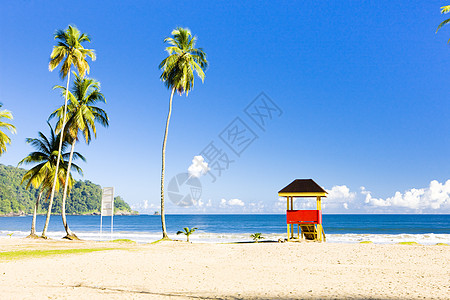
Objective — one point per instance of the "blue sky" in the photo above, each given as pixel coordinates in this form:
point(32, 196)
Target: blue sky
point(362, 86)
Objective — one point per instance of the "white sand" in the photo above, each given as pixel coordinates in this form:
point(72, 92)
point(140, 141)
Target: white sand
point(177, 270)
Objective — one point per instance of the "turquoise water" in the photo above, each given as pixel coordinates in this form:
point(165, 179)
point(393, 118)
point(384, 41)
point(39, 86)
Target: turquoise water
point(425, 229)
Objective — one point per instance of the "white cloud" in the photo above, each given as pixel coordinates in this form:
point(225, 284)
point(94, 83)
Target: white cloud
point(201, 203)
point(371, 200)
point(231, 202)
point(256, 207)
point(144, 206)
point(340, 193)
point(305, 204)
point(345, 205)
point(198, 167)
point(235, 202)
point(434, 197)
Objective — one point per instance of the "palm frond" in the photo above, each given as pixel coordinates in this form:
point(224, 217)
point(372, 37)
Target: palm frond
point(183, 60)
point(442, 24)
point(69, 51)
point(445, 9)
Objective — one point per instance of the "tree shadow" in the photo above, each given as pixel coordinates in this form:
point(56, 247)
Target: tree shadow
point(168, 294)
point(222, 297)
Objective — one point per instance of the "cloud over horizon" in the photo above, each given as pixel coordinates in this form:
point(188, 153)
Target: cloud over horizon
point(339, 196)
point(435, 196)
point(231, 202)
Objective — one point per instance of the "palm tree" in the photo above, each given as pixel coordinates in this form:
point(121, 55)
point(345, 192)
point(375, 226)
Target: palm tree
point(82, 115)
point(257, 236)
point(40, 176)
point(187, 232)
point(70, 52)
point(178, 75)
point(444, 10)
point(4, 139)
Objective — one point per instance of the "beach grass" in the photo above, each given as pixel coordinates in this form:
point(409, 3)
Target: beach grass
point(123, 241)
point(20, 254)
point(162, 240)
point(366, 242)
point(408, 243)
point(442, 244)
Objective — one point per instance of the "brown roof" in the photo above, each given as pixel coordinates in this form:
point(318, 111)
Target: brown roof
point(302, 186)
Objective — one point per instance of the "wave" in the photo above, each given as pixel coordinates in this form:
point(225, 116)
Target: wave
point(208, 237)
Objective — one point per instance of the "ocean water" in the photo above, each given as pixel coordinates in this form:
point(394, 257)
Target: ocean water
point(424, 229)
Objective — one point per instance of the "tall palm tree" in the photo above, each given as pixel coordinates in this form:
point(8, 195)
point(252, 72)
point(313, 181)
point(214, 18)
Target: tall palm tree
point(40, 176)
point(178, 75)
point(82, 114)
point(4, 139)
point(70, 52)
point(444, 10)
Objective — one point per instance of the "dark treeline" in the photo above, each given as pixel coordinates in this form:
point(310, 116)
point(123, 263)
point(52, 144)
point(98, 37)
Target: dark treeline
point(85, 196)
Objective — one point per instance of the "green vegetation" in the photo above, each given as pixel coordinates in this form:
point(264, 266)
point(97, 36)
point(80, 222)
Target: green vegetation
point(178, 75)
point(121, 206)
point(127, 241)
point(408, 243)
point(160, 240)
point(4, 139)
point(82, 115)
point(442, 244)
point(187, 232)
point(68, 51)
point(12, 255)
point(85, 196)
point(444, 10)
point(366, 242)
point(257, 236)
point(40, 176)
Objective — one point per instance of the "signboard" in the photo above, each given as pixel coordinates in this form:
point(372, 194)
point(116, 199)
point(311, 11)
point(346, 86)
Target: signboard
point(107, 208)
point(107, 202)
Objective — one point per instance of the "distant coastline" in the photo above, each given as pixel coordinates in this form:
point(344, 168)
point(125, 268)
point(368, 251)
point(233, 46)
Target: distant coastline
point(84, 199)
point(23, 214)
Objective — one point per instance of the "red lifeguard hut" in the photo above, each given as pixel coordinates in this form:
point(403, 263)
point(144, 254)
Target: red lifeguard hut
point(309, 222)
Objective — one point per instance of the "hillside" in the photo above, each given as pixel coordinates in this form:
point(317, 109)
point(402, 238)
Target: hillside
point(85, 197)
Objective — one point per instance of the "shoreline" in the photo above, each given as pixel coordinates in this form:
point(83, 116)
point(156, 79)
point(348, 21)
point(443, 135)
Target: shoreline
point(181, 270)
point(212, 238)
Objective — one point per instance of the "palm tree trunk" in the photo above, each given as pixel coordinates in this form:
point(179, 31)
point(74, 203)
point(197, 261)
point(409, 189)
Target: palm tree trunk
point(69, 234)
point(163, 218)
point(33, 223)
point(50, 203)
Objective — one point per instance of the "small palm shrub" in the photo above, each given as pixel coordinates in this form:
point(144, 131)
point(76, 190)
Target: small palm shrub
point(187, 232)
point(257, 236)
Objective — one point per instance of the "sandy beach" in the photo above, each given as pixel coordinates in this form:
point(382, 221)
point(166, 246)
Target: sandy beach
point(178, 270)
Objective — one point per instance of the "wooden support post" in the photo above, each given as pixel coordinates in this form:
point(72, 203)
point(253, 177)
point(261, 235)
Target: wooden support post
point(319, 226)
point(288, 229)
point(292, 230)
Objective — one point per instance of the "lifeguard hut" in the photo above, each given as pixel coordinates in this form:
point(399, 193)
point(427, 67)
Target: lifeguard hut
point(309, 222)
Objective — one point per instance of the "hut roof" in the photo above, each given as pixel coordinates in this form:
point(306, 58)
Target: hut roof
point(302, 187)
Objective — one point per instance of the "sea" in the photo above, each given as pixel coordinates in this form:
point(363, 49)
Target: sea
point(213, 228)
